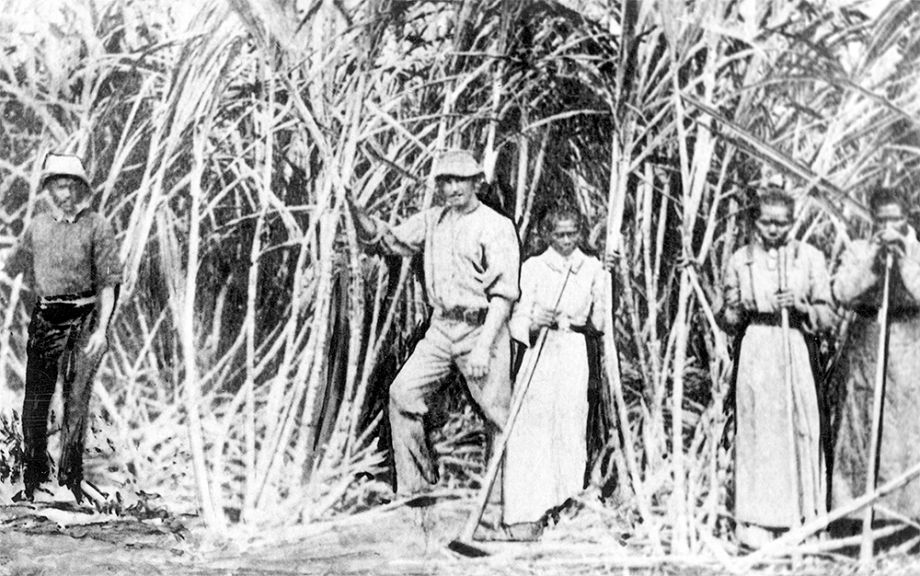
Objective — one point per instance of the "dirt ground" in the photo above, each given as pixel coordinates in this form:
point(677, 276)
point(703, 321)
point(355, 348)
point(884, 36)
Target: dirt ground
point(58, 538)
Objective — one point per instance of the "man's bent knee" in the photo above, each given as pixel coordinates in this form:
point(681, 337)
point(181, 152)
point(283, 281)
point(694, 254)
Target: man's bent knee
point(406, 400)
point(497, 416)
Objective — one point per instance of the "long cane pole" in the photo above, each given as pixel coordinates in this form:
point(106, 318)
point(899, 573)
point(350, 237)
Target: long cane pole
point(463, 543)
point(878, 400)
point(795, 465)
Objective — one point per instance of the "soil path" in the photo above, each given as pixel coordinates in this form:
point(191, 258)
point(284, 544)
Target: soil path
point(58, 539)
point(61, 539)
point(46, 539)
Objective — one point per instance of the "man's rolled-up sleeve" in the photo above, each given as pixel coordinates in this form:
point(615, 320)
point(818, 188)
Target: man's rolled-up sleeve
point(404, 239)
point(108, 269)
point(503, 262)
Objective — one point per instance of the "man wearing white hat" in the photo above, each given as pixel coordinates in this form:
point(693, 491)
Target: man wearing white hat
point(69, 256)
point(471, 263)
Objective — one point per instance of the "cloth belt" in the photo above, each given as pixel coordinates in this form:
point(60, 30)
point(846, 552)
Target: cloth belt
point(894, 314)
point(796, 319)
point(81, 299)
point(472, 316)
point(570, 328)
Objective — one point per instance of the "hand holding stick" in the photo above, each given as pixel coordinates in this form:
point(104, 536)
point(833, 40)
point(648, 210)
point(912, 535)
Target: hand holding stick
point(891, 240)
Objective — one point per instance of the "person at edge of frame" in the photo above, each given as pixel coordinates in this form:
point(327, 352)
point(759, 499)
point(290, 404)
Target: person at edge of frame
point(69, 257)
point(857, 286)
point(471, 265)
point(547, 449)
point(779, 475)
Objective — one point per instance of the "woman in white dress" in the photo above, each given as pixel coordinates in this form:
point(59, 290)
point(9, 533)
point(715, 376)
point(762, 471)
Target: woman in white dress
point(779, 468)
point(547, 453)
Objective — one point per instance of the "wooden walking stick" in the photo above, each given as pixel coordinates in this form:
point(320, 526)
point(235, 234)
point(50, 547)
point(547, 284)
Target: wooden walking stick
point(788, 381)
point(878, 401)
point(795, 463)
point(462, 544)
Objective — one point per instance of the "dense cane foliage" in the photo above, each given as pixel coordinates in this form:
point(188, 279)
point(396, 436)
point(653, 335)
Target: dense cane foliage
point(254, 340)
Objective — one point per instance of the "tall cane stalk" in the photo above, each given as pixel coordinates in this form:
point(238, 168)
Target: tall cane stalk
point(618, 183)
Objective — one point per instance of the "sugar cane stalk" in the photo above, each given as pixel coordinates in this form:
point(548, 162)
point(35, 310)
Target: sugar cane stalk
point(617, 201)
point(785, 543)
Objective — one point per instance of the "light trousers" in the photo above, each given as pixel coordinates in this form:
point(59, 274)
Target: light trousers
point(446, 344)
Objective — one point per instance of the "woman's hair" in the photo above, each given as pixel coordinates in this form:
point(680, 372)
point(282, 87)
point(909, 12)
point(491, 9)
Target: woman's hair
point(885, 196)
point(558, 213)
point(538, 237)
point(774, 196)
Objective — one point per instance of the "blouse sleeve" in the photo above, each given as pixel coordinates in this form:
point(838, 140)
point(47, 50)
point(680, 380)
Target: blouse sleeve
point(856, 273)
point(598, 289)
point(519, 325)
point(820, 310)
point(731, 316)
point(910, 266)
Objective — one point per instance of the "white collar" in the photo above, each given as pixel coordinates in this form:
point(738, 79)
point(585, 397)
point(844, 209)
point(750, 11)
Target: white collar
point(561, 263)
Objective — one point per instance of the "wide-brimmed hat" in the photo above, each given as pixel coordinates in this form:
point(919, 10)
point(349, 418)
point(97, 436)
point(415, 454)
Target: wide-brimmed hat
point(63, 165)
point(456, 163)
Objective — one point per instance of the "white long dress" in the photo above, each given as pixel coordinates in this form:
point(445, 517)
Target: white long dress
point(779, 465)
point(546, 455)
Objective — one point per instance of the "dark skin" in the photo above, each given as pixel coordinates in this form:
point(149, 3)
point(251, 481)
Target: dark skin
point(891, 228)
point(564, 238)
point(773, 226)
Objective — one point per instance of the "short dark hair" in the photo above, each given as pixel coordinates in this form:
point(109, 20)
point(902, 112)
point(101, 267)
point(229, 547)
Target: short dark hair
point(559, 212)
point(774, 196)
point(884, 196)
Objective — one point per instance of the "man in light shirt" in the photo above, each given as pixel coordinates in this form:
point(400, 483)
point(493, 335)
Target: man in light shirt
point(471, 263)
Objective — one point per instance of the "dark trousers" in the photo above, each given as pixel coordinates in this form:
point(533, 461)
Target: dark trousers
point(57, 340)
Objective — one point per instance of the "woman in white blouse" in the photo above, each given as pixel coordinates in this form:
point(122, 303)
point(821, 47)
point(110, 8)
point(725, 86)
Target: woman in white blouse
point(547, 453)
point(779, 465)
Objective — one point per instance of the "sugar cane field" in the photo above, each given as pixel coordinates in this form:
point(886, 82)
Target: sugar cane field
point(239, 418)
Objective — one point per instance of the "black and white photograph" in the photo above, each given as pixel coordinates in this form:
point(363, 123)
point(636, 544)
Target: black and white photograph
point(460, 287)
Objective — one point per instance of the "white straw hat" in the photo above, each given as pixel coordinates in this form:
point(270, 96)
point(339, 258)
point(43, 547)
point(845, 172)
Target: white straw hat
point(457, 163)
point(63, 165)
